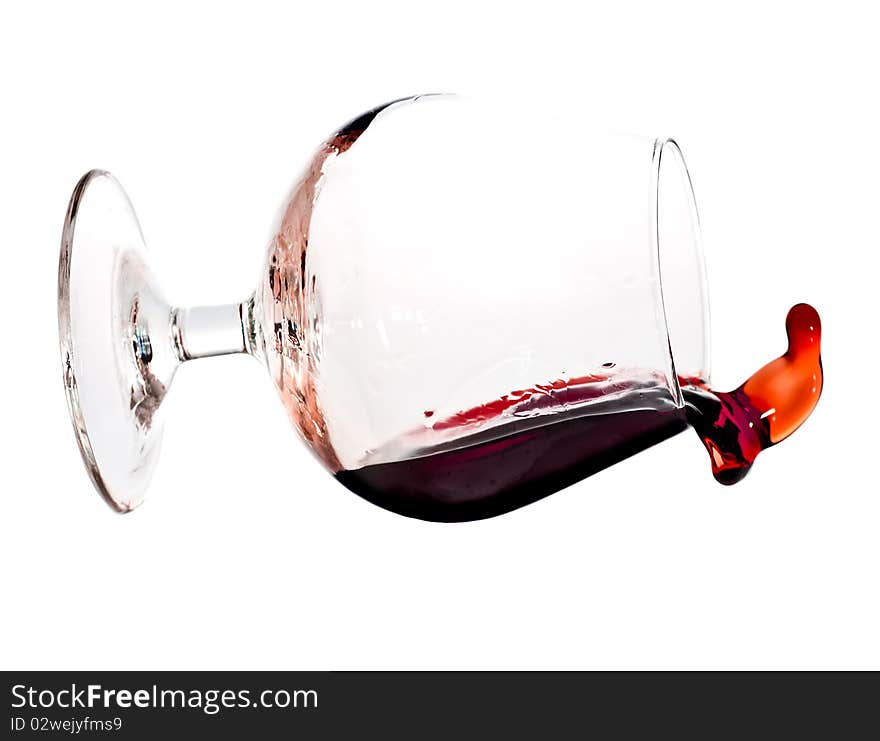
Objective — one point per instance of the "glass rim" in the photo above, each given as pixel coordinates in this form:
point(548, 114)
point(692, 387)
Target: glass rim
point(669, 146)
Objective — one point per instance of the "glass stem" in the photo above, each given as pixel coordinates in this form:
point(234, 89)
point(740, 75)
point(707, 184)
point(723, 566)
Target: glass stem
point(208, 331)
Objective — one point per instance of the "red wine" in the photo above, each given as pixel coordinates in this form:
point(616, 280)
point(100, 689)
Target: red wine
point(484, 479)
point(737, 425)
point(500, 468)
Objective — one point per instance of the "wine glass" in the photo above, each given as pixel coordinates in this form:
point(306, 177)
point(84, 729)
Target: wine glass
point(461, 309)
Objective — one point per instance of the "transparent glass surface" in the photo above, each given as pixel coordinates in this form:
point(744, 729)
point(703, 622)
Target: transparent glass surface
point(465, 307)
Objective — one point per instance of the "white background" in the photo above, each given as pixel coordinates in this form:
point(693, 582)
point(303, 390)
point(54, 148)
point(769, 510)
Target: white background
point(206, 113)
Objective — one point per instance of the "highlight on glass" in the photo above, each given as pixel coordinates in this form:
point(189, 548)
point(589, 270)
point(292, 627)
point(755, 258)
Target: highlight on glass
point(463, 309)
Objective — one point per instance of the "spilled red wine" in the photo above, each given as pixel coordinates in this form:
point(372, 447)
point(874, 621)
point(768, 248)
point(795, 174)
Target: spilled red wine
point(508, 455)
point(737, 425)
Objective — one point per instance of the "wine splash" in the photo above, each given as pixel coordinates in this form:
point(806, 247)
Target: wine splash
point(489, 469)
point(735, 426)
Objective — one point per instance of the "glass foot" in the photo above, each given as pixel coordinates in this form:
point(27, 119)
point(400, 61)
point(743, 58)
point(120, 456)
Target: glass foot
point(110, 316)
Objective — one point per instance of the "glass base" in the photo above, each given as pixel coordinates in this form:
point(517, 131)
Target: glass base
point(110, 315)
